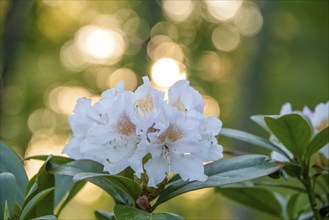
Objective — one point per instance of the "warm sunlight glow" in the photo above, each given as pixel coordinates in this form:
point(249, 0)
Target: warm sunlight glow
point(226, 38)
point(211, 106)
point(89, 194)
point(223, 10)
point(101, 44)
point(62, 99)
point(43, 142)
point(166, 71)
point(249, 19)
point(178, 10)
point(126, 75)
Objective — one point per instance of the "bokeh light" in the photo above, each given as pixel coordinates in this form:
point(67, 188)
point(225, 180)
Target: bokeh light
point(43, 142)
point(211, 66)
point(126, 75)
point(223, 10)
point(162, 46)
point(165, 72)
point(225, 37)
point(41, 119)
point(178, 10)
point(89, 194)
point(62, 99)
point(249, 19)
point(102, 45)
point(211, 106)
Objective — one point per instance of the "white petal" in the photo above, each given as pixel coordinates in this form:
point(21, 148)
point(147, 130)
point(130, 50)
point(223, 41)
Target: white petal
point(216, 152)
point(286, 109)
point(136, 161)
point(157, 169)
point(182, 95)
point(73, 148)
point(115, 168)
point(188, 167)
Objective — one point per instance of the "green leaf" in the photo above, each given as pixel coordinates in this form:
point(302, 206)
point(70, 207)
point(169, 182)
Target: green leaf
point(74, 167)
point(62, 185)
point(42, 181)
point(6, 213)
point(46, 217)
point(122, 212)
point(72, 192)
point(293, 169)
point(34, 202)
point(257, 198)
point(126, 183)
point(319, 141)
point(122, 189)
point(252, 139)
point(293, 131)
point(102, 215)
point(7, 193)
point(291, 206)
point(117, 191)
point(54, 158)
point(223, 172)
point(10, 162)
point(260, 120)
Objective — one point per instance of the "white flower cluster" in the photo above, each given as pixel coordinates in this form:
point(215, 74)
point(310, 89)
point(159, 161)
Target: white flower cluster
point(319, 119)
point(124, 128)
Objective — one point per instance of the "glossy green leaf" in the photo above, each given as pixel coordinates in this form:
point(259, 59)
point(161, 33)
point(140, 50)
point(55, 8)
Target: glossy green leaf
point(223, 172)
point(122, 212)
point(118, 192)
point(7, 193)
point(319, 141)
point(62, 185)
point(6, 213)
point(251, 139)
point(293, 169)
point(260, 120)
point(120, 188)
point(54, 158)
point(293, 131)
point(72, 192)
point(103, 215)
point(46, 180)
point(291, 206)
point(74, 167)
point(43, 180)
point(10, 162)
point(257, 198)
point(129, 185)
point(46, 217)
point(34, 202)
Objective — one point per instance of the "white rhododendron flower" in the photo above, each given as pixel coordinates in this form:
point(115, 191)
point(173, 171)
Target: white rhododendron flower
point(319, 119)
point(126, 128)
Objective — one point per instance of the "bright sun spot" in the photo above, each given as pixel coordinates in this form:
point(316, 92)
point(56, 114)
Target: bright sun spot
point(166, 71)
point(101, 44)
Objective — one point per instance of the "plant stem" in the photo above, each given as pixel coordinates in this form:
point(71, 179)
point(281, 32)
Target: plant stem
point(308, 186)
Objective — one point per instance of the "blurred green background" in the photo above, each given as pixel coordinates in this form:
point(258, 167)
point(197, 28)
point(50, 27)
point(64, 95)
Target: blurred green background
point(245, 58)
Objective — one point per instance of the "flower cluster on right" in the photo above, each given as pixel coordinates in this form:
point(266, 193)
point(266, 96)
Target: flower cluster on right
point(319, 120)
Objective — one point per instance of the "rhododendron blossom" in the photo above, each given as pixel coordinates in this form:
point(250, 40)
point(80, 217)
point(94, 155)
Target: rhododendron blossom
point(126, 128)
